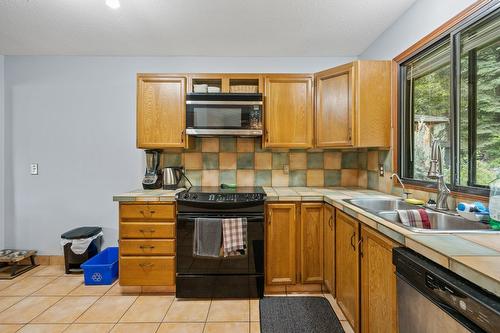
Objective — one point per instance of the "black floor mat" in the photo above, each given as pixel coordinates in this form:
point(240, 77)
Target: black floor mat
point(298, 314)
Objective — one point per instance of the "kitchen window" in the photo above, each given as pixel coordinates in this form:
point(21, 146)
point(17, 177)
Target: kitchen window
point(450, 92)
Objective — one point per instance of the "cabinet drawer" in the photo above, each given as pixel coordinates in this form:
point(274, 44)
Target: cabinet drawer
point(141, 247)
point(147, 230)
point(147, 271)
point(131, 212)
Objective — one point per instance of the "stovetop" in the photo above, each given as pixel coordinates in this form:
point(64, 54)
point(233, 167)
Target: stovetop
point(215, 194)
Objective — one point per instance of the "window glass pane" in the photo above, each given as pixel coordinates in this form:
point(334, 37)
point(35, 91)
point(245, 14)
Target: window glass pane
point(428, 106)
point(479, 114)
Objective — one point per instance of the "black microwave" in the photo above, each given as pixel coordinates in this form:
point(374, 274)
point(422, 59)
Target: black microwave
point(233, 114)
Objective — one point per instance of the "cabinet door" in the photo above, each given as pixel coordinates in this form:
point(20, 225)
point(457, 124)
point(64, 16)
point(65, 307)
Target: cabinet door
point(347, 267)
point(280, 244)
point(161, 104)
point(378, 283)
point(311, 243)
point(288, 111)
point(334, 107)
point(329, 249)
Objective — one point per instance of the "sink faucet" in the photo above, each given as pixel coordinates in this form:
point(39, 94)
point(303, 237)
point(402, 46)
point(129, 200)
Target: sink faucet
point(405, 192)
point(436, 172)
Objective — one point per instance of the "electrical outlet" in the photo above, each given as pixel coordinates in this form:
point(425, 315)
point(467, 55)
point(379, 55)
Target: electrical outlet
point(286, 169)
point(34, 169)
point(381, 170)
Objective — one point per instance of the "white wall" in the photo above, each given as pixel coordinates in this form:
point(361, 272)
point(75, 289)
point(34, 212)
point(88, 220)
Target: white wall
point(2, 154)
point(75, 116)
point(419, 20)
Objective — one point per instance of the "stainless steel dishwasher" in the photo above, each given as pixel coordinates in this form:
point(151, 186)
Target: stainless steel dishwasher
point(432, 299)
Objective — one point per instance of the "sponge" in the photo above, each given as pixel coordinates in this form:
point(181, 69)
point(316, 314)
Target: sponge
point(415, 201)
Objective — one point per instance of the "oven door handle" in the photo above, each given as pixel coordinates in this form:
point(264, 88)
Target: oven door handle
point(249, 218)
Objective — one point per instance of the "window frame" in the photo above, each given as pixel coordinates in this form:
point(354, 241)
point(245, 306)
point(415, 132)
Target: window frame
point(404, 126)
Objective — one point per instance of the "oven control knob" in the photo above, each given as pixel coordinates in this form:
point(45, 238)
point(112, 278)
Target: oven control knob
point(186, 196)
point(195, 196)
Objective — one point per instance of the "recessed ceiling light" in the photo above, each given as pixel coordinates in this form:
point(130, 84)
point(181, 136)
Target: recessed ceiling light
point(113, 4)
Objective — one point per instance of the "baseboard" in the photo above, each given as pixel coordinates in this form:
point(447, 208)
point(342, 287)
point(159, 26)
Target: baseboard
point(49, 260)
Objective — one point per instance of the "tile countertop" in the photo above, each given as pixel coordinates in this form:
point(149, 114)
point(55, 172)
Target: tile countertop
point(476, 257)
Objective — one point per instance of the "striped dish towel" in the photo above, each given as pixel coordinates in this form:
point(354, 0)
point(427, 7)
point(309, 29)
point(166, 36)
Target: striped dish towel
point(234, 236)
point(417, 218)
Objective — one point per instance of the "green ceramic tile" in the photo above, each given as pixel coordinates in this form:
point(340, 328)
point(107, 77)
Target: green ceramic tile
point(385, 158)
point(263, 177)
point(315, 160)
point(349, 160)
point(362, 160)
point(228, 144)
point(279, 159)
point(172, 159)
point(196, 145)
point(297, 178)
point(332, 177)
point(373, 180)
point(245, 161)
point(210, 161)
point(227, 176)
point(194, 176)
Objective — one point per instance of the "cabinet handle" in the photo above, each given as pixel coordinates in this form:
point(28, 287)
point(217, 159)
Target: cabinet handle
point(270, 216)
point(350, 134)
point(146, 247)
point(360, 246)
point(267, 136)
point(147, 230)
point(182, 136)
point(352, 244)
point(148, 213)
point(330, 222)
point(144, 265)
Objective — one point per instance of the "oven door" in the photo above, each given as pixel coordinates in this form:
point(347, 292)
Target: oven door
point(251, 263)
point(224, 118)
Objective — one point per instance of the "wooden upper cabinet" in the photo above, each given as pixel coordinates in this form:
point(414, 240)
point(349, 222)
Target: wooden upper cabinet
point(334, 107)
point(353, 107)
point(329, 248)
point(378, 283)
point(161, 103)
point(347, 267)
point(311, 243)
point(281, 244)
point(288, 111)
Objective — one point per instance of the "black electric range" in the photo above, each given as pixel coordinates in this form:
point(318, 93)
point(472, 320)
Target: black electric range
point(233, 277)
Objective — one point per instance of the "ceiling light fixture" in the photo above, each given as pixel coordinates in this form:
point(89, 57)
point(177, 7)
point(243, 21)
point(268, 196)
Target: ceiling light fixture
point(113, 4)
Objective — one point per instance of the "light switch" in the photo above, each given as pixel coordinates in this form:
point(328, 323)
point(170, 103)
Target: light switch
point(381, 170)
point(34, 169)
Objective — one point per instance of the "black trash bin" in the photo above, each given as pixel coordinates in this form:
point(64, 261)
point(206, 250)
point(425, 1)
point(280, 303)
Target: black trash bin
point(72, 261)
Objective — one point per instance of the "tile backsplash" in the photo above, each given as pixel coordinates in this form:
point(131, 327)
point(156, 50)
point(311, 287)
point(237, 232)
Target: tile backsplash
point(242, 161)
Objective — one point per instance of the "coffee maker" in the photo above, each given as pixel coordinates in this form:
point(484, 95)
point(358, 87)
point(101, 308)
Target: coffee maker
point(153, 176)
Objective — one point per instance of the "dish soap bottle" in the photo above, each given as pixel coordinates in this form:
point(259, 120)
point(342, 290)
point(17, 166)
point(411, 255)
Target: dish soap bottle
point(495, 204)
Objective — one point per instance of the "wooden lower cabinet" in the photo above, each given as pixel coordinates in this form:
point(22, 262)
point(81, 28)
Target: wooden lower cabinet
point(147, 244)
point(311, 243)
point(294, 247)
point(147, 271)
point(378, 283)
point(280, 244)
point(329, 249)
point(347, 267)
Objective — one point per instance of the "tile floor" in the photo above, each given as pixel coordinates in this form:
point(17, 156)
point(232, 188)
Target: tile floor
point(46, 300)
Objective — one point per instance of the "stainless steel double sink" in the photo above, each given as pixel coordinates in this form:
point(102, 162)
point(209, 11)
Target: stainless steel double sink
point(441, 222)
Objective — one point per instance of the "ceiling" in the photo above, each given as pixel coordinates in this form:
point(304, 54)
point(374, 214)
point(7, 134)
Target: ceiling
point(195, 27)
